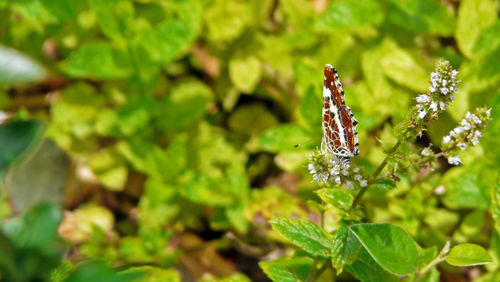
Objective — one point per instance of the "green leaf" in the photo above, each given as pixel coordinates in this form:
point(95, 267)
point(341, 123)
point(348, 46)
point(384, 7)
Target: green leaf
point(350, 13)
point(464, 189)
point(312, 100)
point(186, 103)
point(113, 16)
point(473, 17)
point(340, 198)
point(18, 68)
point(251, 119)
point(99, 271)
point(40, 227)
point(346, 247)
point(15, 139)
point(153, 274)
point(366, 269)
point(226, 20)
point(245, 73)
point(495, 205)
point(283, 138)
point(385, 185)
point(427, 16)
point(64, 10)
point(489, 40)
point(468, 254)
point(401, 67)
point(389, 245)
point(97, 60)
point(287, 269)
point(305, 235)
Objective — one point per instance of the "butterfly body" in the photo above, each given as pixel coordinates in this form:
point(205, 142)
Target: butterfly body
point(340, 137)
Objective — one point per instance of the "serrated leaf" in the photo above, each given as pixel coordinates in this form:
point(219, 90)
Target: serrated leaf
point(346, 247)
point(473, 17)
point(304, 234)
point(340, 198)
point(389, 245)
point(18, 68)
point(287, 269)
point(468, 254)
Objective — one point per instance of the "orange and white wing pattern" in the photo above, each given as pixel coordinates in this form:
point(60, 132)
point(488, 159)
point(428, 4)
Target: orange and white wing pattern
point(340, 137)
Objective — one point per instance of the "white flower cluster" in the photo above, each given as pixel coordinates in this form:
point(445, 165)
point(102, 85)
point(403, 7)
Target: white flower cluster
point(466, 134)
point(324, 168)
point(441, 92)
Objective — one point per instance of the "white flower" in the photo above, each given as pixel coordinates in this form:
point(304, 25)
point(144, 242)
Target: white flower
point(432, 88)
point(462, 146)
point(425, 152)
point(455, 160)
point(421, 114)
point(363, 183)
point(356, 170)
point(475, 141)
point(444, 82)
point(337, 179)
point(345, 171)
point(444, 90)
point(434, 75)
point(434, 107)
point(465, 124)
point(312, 169)
point(442, 105)
point(468, 115)
point(453, 96)
point(454, 74)
point(475, 119)
point(423, 98)
point(349, 185)
point(458, 130)
point(419, 106)
point(446, 139)
point(439, 190)
point(478, 134)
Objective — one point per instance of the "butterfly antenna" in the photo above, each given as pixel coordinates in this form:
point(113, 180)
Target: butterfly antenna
point(305, 143)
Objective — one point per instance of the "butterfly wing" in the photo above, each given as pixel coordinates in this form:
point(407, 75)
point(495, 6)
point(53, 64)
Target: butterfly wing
point(339, 125)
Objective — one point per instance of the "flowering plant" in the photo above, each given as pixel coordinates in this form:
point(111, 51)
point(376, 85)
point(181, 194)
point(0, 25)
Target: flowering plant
point(342, 179)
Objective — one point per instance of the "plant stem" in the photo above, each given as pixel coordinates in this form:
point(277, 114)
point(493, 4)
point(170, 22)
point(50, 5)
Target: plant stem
point(313, 275)
point(374, 175)
point(434, 262)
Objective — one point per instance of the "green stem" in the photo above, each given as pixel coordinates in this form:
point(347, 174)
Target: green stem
point(313, 275)
point(374, 175)
point(434, 262)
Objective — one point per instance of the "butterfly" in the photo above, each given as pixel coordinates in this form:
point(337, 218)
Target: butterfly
point(340, 137)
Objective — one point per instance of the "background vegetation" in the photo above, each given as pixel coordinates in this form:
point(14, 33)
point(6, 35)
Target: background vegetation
point(157, 138)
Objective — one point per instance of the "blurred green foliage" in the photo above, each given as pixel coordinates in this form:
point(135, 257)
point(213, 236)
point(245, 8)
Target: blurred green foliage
point(180, 119)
